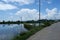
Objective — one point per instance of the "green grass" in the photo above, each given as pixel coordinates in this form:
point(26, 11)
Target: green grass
point(32, 30)
point(25, 35)
point(29, 27)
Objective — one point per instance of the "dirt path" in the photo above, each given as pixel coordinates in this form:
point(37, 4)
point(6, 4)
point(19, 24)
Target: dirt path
point(49, 33)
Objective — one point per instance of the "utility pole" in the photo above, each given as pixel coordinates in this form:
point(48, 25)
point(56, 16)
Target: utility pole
point(21, 18)
point(21, 24)
point(39, 13)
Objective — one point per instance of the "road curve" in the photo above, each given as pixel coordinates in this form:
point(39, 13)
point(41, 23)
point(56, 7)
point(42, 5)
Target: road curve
point(49, 33)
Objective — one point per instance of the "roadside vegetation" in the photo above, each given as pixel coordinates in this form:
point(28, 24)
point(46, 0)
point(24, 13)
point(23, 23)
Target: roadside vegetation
point(32, 29)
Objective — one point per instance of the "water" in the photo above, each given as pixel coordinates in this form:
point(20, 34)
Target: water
point(7, 32)
point(36, 24)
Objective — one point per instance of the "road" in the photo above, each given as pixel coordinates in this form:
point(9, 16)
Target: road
point(49, 33)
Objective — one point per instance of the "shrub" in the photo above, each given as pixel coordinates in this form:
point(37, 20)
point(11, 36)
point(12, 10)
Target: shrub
point(32, 30)
point(29, 27)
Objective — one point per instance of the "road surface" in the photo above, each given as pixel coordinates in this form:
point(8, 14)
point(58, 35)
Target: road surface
point(48, 33)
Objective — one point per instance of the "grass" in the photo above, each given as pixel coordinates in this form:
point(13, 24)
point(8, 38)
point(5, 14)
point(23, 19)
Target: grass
point(25, 35)
point(32, 30)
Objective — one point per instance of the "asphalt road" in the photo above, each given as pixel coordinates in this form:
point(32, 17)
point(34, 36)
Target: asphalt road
point(49, 33)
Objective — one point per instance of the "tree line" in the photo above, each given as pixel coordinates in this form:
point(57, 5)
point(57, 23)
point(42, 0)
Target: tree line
point(29, 21)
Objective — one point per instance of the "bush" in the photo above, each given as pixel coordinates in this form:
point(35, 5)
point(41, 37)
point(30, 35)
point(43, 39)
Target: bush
point(29, 27)
point(32, 30)
point(25, 35)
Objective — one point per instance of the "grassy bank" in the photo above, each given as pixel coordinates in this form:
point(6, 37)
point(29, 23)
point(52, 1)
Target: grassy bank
point(32, 30)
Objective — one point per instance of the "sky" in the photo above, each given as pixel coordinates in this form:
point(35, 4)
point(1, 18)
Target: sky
point(50, 9)
point(13, 10)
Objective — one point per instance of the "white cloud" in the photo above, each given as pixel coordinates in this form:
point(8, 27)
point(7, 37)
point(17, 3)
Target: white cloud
point(46, 1)
point(49, 1)
point(28, 14)
point(20, 1)
point(6, 6)
point(51, 14)
point(42, 16)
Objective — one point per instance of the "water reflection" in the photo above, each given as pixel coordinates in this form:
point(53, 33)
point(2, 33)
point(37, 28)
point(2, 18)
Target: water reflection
point(9, 31)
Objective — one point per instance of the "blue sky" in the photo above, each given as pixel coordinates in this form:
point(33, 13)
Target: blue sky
point(29, 9)
point(13, 10)
point(50, 9)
